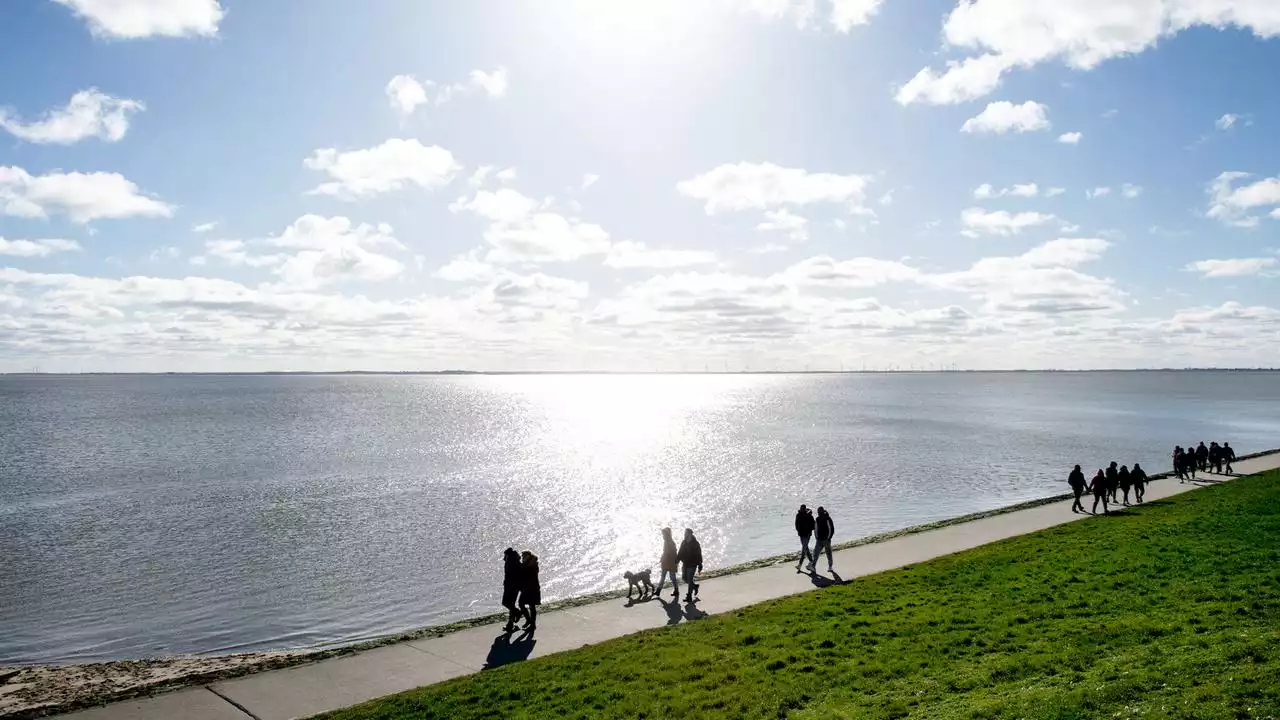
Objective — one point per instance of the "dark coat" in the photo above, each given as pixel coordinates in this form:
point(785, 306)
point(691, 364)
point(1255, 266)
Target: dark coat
point(826, 527)
point(1113, 478)
point(690, 554)
point(669, 560)
point(804, 523)
point(1138, 476)
point(530, 586)
point(1076, 480)
point(1098, 486)
point(1125, 477)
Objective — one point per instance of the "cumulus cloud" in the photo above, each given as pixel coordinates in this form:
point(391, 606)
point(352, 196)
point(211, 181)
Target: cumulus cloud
point(843, 15)
point(1003, 116)
point(1071, 138)
point(589, 179)
point(977, 221)
point(1006, 34)
point(630, 254)
point(1097, 192)
point(783, 220)
point(89, 113)
point(986, 192)
point(1130, 191)
point(406, 93)
point(83, 197)
point(1235, 267)
point(133, 19)
point(863, 272)
point(204, 227)
point(765, 186)
point(522, 230)
point(1054, 191)
point(36, 248)
point(1232, 204)
point(391, 166)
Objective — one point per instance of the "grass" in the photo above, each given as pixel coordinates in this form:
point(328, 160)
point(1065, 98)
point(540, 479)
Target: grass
point(1171, 610)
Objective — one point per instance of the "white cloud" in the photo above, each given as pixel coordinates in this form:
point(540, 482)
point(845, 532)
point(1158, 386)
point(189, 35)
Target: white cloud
point(36, 248)
point(886, 198)
point(1054, 191)
point(83, 197)
point(1226, 121)
point(589, 179)
point(1004, 34)
point(494, 83)
point(1003, 116)
point(507, 175)
point(1236, 267)
point(466, 269)
point(480, 175)
point(405, 94)
point(1097, 192)
point(132, 19)
point(630, 254)
point(978, 221)
point(391, 166)
point(855, 273)
point(963, 80)
point(204, 227)
point(89, 113)
point(1041, 281)
point(763, 186)
point(986, 192)
point(1130, 191)
point(1071, 138)
point(521, 230)
point(847, 14)
point(1232, 205)
point(795, 226)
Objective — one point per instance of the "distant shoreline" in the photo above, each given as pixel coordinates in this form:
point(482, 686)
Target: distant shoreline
point(630, 372)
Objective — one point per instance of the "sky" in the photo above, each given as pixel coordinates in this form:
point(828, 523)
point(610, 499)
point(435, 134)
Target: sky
point(236, 185)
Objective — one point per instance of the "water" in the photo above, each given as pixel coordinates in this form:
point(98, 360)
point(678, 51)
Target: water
point(143, 516)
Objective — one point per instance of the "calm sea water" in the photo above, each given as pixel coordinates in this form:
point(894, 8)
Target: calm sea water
point(143, 516)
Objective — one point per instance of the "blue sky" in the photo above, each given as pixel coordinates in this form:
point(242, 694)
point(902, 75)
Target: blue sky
point(227, 185)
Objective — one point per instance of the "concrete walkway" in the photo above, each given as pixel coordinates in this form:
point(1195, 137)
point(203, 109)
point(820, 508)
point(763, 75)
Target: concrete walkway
point(306, 690)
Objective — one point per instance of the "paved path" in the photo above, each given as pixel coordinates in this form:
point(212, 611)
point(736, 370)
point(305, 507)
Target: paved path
point(306, 690)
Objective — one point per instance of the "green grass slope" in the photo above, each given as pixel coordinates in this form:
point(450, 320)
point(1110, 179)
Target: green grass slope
point(1170, 610)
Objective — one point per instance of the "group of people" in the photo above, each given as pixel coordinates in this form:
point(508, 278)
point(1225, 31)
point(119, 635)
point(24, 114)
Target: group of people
point(806, 527)
point(521, 590)
point(1107, 484)
point(1204, 459)
point(687, 558)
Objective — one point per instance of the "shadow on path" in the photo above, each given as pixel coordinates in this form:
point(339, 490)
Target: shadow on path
point(822, 581)
point(676, 612)
point(506, 650)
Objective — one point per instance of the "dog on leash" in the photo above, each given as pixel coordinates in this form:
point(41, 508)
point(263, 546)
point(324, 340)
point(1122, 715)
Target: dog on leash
point(642, 582)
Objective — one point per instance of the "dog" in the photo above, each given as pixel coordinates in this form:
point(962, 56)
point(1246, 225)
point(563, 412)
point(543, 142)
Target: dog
point(641, 582)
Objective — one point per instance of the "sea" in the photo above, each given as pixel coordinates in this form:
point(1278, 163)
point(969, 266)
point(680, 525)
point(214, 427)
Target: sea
point(145, 516)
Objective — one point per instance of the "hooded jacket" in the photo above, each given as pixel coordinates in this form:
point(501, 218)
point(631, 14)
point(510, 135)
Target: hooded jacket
point(804, 523)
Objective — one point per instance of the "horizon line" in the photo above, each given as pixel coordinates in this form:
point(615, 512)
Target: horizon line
point(896, 371)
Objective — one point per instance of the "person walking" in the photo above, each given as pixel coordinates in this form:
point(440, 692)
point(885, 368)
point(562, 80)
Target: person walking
point(1113, 480)
point(1139, 478)
point(1077, 482)
point(1215, 457)
point(690, 557)
point(1202, 457)
point(512, 580)
point(667, 566)
point(530, 589)
point(1125, 481)
point(825, 529)
point(1190, 462)
point(1178, 463)
point(1098, 486)
point(804, 528)
point(1228, 456)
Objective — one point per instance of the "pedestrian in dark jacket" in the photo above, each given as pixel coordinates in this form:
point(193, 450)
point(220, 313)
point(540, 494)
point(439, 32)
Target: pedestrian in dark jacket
point(530, 589)
point(825, 529)
point(690, 557)
point(804, 528)
point(1113, 480)
point(1228, 456)
point(1178, 463)
point(1215, 457)
point(1125, 480)
point(1077, 482)
point(1098, 486)
point(1190, 462)
point(667, 566)
point(1202, 457)
point(1139, 478)
point(512, 580)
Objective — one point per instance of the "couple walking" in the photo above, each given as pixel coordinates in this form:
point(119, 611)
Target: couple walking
point(688, 556)
point(806, 526)
point(521, 590)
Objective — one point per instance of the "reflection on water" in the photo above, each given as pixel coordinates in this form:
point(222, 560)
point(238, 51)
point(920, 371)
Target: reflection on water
point(153, 515)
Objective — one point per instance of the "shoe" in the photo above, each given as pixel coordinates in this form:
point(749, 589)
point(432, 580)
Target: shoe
point(675, 595)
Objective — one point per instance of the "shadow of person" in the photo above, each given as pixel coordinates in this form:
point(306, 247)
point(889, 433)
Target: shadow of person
point(822, 581)
point(839, 580)
point(691, 612)
point(672, 608)
point(506, 650)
